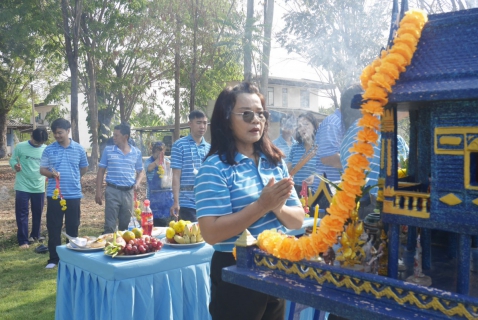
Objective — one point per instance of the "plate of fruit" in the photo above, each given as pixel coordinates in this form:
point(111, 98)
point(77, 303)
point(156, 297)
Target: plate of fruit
point(133, 246)
point(183, 234)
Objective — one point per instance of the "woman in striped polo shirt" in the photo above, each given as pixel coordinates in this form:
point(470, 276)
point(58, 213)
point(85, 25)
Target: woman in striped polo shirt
point(243, 184)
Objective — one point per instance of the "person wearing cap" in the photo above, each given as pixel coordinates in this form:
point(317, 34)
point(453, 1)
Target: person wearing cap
point(123, 165)
point(158, 187)
point(187, 155)
point(29, 185)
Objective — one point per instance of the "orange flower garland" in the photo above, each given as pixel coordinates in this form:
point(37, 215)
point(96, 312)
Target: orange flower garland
point(377, 80)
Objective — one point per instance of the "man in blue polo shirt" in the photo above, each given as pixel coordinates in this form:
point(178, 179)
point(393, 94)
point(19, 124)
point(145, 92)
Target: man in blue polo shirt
point(187, 155)
point(285, 141)
point(125, 172)
point(64, 160)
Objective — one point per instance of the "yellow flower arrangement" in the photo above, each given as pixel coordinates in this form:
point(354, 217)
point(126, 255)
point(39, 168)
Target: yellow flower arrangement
point(377, 80)
point(160, 171)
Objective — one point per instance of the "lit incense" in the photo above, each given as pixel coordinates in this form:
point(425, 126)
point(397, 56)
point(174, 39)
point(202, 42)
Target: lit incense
point(316, 216)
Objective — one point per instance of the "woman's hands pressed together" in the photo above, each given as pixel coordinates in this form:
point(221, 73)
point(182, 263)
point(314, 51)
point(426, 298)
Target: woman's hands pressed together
point(274, 195)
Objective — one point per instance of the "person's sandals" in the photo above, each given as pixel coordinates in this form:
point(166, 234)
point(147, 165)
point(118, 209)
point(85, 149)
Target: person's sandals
point(41, 249)
point(50, 266)
point(24, 246)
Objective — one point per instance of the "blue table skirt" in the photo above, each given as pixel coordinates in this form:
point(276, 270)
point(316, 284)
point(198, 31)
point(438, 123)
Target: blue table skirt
point(157, 287)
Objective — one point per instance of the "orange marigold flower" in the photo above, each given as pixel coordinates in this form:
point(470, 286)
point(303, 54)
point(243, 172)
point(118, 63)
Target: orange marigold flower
point(407, 38)
point(409, 28)
point(416, 17)
point(374, 92)
point(363, 148)
point(384, 80)
point(398, 60)
point(352, 176)
point(367, 135)
point(285, 246)
point(334, 223)
point(329, 238)
point(336, 211)
point(344, 201)
point(389, 69)
point(369, 121)
point(366, 75)
point(307, 248)
point(404, 50)
point(318, 243)
point(295, 253)
point(373, 107)
point(358, 161)
point(350, 189)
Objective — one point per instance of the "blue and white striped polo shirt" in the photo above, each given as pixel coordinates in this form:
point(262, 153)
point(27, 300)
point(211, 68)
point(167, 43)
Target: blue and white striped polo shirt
point(329, 138)
point(349, 140)
point(68, 162)
point(282, 144)
point(121, 168)
point(186, 156)
point(222, 189)
point(296, 152)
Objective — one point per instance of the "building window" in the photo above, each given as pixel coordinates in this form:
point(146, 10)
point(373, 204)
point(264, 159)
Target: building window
point(270, 96)
point(304, 99)
point(285, 98)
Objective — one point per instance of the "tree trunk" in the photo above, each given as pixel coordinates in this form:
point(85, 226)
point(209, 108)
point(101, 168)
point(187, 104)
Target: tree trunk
point(248, 41)
point(193, 76)
point(93, 111)
point(71, 48)
point(3, 134)
point(177, 116)
point(119, 75)
point(266, 51)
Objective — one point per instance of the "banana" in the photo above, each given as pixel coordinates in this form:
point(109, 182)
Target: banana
point(187, 239)
point(193, 239)
point(179, 239)
point(186, 231)
point(199, 238)
point(195, 230)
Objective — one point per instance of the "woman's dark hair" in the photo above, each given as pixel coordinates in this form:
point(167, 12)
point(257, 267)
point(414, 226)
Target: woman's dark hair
point(40, 135)
point(222, 137)
point(60, 123)
point(158, 146)
point(312, 119)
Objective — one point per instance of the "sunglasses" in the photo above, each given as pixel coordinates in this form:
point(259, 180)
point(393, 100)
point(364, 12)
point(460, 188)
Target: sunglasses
point(248, 116)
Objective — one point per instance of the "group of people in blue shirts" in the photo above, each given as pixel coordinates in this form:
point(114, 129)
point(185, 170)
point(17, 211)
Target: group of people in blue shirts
point(333, 138)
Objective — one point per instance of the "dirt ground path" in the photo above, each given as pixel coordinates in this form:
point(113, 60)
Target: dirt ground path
point(92, 215)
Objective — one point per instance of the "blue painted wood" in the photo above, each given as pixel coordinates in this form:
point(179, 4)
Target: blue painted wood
point(291, 311)
point(474, 241)
point(335, 297)
point(393, 250)
point(452, 245)
point(316, 315)
point(425, 239)
point(463, 280)
point(412, 238)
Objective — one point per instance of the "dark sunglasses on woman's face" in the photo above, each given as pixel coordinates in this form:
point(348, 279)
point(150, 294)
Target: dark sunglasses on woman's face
point(248, 116)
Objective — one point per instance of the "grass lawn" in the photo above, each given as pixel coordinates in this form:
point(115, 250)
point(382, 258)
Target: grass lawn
point(28, 290)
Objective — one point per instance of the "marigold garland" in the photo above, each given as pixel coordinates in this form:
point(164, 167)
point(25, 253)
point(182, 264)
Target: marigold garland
point(377, 80)
point(57, 194)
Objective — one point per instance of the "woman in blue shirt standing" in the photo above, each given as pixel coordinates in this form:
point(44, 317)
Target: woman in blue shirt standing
point(159, 190)
point(243, 184)
point(307, 126)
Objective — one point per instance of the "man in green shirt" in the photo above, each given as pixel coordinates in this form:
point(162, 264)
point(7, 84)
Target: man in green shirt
point(29, 185)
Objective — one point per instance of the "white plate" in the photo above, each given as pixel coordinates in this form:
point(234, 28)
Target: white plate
point(136, 256)
point(158, 231)
point(179, 245)
point(83, 249)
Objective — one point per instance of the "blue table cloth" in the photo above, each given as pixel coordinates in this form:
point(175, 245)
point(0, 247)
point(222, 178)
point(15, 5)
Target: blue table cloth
point(172, 284)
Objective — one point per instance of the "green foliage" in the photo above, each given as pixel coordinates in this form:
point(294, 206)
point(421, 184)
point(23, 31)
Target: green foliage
point(338, 38)
point(55, 113)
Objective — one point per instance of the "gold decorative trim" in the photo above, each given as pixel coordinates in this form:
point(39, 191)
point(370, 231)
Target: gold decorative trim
point(451, 199)
point(473, 146)
point(382, 155)
point(321, 188)
point(390, 208)
point(389, 191)
point(388, 125)
point(389, 157)
point(450, 141)
point(475, 202)
point(373, 288)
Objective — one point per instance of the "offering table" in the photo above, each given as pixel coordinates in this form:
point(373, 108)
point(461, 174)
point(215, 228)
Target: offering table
point(172, 284)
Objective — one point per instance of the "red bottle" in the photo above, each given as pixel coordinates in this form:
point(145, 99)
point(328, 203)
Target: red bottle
point(147, 219)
